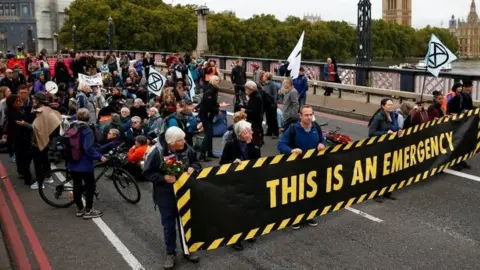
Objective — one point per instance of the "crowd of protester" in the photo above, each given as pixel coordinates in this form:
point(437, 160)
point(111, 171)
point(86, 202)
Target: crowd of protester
point(122, 110)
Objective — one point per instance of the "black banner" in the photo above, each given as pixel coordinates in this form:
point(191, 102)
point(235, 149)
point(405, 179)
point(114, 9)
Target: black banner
point(230, 203)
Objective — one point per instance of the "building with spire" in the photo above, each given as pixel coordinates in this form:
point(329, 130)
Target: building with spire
point(398, 11)
point(467, 33)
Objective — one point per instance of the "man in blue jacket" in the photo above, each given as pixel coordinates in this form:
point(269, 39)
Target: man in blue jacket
point(305, 136)
point(171, 144)
point(82, 171)
point(301, 84)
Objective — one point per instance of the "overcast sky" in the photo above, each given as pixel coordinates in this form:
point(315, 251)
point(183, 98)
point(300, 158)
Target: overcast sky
point(425, 12)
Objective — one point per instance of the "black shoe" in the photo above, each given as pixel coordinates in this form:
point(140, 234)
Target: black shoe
point(457, 167)
point(191, 258)
point(169, 262)
point(465, 165)
point(238, 246)
point(379, 199)
point(390, 197)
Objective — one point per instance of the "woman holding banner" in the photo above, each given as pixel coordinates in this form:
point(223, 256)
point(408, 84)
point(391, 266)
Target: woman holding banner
point(384, 121)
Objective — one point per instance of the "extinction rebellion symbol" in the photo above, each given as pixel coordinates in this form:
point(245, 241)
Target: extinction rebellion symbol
point(438, 55)
point(155, 82)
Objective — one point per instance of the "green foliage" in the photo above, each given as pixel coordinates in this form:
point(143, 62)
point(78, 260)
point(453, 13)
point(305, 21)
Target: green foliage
point(151, 25)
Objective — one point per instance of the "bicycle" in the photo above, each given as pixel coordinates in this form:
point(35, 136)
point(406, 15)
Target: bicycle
point(121, 178)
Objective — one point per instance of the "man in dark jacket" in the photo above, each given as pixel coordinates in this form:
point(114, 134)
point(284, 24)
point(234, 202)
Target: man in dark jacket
point(301, 84)
point(254, 111)
point(9, 82)
point(271, 89)
point(467, 103)
point(171, 144)
point(239, 78)
point(209, 108)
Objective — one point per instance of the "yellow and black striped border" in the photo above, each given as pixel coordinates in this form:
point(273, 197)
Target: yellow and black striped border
point(183, 194)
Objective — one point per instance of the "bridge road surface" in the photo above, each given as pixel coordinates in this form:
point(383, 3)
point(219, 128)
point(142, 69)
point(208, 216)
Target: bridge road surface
point(433, 225)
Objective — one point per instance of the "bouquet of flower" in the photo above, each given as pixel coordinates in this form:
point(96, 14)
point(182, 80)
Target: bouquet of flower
point(172, 166)
point(339, 138)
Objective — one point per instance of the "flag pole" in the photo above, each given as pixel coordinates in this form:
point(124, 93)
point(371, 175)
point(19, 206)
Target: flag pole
point(423, 86)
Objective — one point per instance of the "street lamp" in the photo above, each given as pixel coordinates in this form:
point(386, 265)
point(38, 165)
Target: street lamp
point(110, 33)
point(74, 37)
point(202, 10)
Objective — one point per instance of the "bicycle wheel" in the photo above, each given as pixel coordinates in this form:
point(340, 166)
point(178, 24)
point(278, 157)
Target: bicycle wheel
point(124, 180)
point(60, 189)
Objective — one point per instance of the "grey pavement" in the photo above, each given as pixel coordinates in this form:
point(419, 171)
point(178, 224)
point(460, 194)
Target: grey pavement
point(5, 259)
point(433, 225)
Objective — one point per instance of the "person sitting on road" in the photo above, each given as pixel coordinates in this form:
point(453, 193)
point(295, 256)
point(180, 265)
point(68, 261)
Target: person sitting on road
point(383, 121)
point(82, 171)
point(154, 122)
point(113, 140)
point(183, 119)
point(237, 117)
point(170, 144)
point(139, 109)
point(135, 130)
point(240, 147)
point(137, 152)
point(301, 137)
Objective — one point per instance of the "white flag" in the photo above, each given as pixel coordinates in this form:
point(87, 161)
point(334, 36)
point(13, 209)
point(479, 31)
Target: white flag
point(438, 56)
point(295, 58)
point(191, 84)
point(155, 82)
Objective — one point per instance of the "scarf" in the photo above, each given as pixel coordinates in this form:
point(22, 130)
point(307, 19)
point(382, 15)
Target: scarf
point(46, 121)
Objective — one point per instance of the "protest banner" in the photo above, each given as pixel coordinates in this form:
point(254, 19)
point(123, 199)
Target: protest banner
point(91, 80)
point(234, 202)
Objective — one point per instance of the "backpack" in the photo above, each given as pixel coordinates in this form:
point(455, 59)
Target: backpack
point(70, 142)
point(293, 132)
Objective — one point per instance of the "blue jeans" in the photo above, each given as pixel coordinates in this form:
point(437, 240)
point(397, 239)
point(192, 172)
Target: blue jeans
point(302, 100)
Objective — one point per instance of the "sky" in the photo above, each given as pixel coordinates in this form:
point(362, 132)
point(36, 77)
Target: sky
point(425, 12)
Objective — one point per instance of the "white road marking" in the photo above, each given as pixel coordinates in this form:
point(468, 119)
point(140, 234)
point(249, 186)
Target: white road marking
point(463, 175)
point(353, 210)
point(363, 214)
point(114, 240)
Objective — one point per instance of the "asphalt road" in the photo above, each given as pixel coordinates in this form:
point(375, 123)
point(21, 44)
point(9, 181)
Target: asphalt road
point(435, 224)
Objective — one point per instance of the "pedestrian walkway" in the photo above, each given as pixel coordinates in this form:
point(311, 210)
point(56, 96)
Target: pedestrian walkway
point(5, 259)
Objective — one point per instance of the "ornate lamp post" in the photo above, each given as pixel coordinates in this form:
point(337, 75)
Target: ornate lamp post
point(202, 41)
point(74, 37)
point(364, 40)
point(110, 33)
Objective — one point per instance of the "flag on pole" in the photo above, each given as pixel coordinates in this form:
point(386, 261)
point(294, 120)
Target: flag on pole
point(155, 82)
point(438, 56)
point(295, 58)
point(191, 84)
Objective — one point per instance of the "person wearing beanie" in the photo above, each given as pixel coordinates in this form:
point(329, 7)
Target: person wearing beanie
point(170, 145)
point(39, 85)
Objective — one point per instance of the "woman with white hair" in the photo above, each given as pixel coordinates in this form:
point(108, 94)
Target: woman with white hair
point(154, 122)
point(209, 108)
point(85, 100)
point(239, 148)
point(171, 144)
point(254, 111)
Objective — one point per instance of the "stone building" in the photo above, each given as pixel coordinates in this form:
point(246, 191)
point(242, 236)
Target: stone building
point(399, 11)
point(49, 15)
point(17, 24)
point(313, 18)
point(467, 33)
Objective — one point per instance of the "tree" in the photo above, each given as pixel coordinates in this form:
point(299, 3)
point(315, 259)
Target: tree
point(152, 25)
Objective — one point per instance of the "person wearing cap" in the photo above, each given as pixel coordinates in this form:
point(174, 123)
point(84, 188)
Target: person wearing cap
point(39, 85)
point(46, 122)
point(171, 144)
point(467, 103)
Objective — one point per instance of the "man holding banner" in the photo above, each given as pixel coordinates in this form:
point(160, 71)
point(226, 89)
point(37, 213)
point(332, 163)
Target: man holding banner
point(301, 137)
